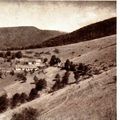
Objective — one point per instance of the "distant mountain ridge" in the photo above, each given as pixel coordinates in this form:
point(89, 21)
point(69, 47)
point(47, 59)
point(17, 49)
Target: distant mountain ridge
point(24, 36)
point(15, 38)
point(90, 32)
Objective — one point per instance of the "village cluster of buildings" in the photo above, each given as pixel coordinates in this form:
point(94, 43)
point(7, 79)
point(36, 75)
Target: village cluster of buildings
point(28, 64)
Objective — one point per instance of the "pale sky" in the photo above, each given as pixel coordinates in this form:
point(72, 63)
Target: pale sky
point(62, 16)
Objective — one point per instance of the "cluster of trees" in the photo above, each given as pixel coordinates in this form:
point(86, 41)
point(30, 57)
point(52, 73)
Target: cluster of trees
point(60, 83)
point(40, 84)
point(11, 55)
point(80, 69)
point(18, 98)
point(33, 94)
point(26, 114)
point(54, 60)
point(69, 66)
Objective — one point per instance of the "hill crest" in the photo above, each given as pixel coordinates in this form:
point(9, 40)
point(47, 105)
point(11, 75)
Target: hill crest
point(24, 36)
point(93, 31)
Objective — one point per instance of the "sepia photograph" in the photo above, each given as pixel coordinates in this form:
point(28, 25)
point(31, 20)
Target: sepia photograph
point(58, 60)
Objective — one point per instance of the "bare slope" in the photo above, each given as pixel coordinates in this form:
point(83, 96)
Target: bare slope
point(24, 37)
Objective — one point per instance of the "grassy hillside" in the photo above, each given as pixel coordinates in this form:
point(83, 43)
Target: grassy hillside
point(90, 32)
point(23, 37)
point(92, 98)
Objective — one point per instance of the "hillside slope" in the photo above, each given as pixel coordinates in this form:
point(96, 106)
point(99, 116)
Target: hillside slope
point(90, 32)
point(24, 37)
point(91, 99)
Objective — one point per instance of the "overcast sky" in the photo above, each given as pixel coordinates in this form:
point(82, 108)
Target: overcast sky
point(62, 16)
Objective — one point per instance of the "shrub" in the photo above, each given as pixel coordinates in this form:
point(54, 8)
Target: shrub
point(26, 114)
point(41, 84)
point(22, 77)
point(115, 78)
point(67, 64)
point(18, 54)
point(83, 69)
point(25, 72)
point(54, 60)
point(2, 54)
point(56, 51)
point(45, 60)
point(33, 94)
point(76, 76)
point(57, 76)
point(8, 53)
point(58, 60)
point(4, 102)
point(36, 79)
point(12, 72)
point(57, 84)
point(1, 74)
point(48, 53)
point(65, 78)
point(72, 66)
point(23, 97)
point(15, 100)
point(8, 59)
point(13, 56)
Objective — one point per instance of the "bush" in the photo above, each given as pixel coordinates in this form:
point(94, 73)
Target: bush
point(22, 77)
point(36, 79)
point(12, 72)
point(45, 60)
point(1, 74)
point(33, 94)
point(13, 56)
point(72, 66)
point(56, 51)
point(57, 84)
point(83, 69)
point(67, 64)
point(65, 78)
point(8, 53)
point(15, 100)
point(58, 60)
point(26, 114)
point(41, 84)
point(25, 72)
point(4, 103)
point(18, 54)
point(23, 97)
point(57, 76)
point(76, 76)
point(2, 54)
point(54, 60)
